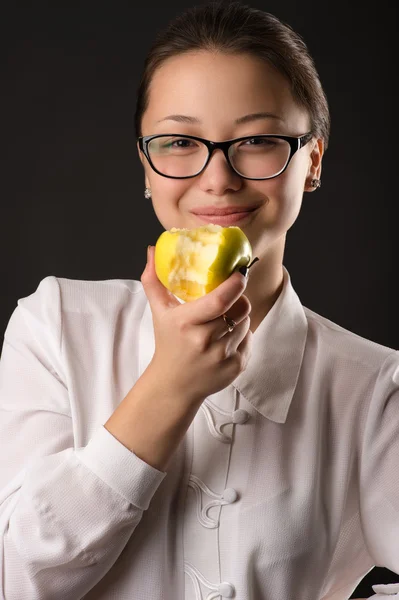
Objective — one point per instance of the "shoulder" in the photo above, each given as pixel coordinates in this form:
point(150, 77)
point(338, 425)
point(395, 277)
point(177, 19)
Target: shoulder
point(56, 298)
point(94, 296)
point(342, 344)
point(60, 293)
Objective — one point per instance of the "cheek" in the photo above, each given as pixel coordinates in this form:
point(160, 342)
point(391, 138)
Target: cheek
point(289, 186)
point(284, 197)
point(281, 193)
point(166, 195)
point(293, 178)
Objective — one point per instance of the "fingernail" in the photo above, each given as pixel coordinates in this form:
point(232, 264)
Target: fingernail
point(244, 271)
point(148, 252)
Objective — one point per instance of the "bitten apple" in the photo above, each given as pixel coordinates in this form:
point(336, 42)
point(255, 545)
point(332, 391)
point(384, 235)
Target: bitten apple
point(192, 262)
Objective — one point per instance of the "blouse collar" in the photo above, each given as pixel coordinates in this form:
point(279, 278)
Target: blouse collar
point(278, 346)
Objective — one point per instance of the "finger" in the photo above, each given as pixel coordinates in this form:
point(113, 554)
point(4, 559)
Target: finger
point(159, 297)
point(240, 310)
point(222, 329)
point(245, 347)
point(218, 301)
point(239, 340)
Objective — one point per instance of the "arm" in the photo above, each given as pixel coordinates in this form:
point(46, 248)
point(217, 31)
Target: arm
point(55, 542)
point(378, 481)
point(152, 430)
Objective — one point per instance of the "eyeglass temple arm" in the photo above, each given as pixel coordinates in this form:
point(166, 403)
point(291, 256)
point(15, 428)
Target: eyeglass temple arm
point(305, 139)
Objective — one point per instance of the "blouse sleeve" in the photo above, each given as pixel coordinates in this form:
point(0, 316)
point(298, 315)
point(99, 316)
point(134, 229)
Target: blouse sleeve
point(66, 513)
point(388, 591)
point(379, 473)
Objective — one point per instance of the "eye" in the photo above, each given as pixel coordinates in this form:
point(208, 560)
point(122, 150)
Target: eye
point(259, 141)
point(173, 146)
point(256, 145)
point(179, 143)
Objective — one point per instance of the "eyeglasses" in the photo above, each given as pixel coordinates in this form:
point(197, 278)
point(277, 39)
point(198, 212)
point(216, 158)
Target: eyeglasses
point(251, 157)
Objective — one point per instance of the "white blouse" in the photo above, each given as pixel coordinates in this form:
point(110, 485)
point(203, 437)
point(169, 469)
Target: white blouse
point(285, 486)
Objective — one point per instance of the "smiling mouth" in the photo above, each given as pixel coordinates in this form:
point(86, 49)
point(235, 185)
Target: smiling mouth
point(227, 210)
point(226, 219)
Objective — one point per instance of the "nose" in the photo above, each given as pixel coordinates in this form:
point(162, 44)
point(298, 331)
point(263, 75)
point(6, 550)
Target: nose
point(218, 177)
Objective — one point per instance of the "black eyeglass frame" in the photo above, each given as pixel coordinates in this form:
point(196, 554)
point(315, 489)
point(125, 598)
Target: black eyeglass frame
point(296, 143)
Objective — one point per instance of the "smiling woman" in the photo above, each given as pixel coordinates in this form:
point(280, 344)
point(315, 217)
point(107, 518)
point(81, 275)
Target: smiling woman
point(237, 445)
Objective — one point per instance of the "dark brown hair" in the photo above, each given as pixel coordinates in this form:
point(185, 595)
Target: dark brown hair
point(236, 28)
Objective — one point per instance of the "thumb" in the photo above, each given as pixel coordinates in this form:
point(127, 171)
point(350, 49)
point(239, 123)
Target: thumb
point(158, 295)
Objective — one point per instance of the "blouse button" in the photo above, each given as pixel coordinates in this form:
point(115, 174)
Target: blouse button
point(226, 590)
point(240, 416)
point(230, 495)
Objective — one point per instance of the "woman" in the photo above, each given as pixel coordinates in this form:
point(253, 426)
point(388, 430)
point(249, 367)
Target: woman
point(252, 456)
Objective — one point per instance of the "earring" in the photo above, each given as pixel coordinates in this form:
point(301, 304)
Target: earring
point(315, 183)
point(147, 193)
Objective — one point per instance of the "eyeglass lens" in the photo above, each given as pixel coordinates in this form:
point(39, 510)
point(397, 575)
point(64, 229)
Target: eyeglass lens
point(258, 157)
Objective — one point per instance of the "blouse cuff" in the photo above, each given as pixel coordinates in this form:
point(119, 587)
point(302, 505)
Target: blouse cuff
point(121, 469)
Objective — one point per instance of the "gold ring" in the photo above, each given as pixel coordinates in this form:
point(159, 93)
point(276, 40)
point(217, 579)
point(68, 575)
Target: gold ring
point(230, 323)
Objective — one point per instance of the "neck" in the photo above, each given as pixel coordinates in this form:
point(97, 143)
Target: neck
point(264, 286)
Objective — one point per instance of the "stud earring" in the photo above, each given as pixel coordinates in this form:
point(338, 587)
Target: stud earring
point(315, 183)
point(147, 193)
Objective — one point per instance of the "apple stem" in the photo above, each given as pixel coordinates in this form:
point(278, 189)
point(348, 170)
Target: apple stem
point(254, 261)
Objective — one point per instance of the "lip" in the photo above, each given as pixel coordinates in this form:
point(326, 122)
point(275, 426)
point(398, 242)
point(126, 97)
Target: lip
point(222, 211)
point(227, 219)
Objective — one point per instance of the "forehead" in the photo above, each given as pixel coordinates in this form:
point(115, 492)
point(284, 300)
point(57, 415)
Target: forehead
point(219, 88)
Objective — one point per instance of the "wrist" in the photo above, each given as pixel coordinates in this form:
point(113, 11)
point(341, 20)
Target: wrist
point(182, 396)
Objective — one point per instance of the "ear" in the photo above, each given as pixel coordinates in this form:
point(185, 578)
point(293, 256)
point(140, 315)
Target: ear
point(315, 158)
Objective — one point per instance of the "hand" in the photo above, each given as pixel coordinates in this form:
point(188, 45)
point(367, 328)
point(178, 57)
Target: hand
point(194, 352)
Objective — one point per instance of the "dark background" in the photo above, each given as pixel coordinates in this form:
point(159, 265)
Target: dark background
point(72, 201)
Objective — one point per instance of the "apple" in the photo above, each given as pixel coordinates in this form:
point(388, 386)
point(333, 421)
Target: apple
point(192, 262)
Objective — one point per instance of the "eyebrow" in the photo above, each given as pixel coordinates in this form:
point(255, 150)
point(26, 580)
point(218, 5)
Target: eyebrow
point(245, 119)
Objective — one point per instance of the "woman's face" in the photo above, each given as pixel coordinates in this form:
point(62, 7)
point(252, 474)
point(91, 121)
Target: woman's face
point(217, 90)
